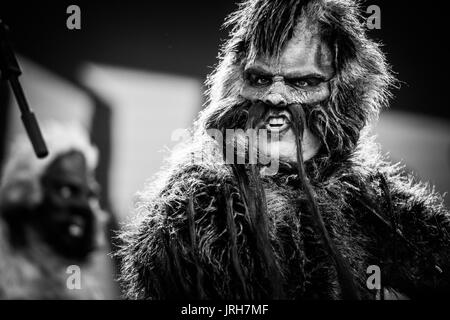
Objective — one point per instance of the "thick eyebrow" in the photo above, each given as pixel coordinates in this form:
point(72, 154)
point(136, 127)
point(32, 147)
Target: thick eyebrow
point(258, 71)
point(297, 75)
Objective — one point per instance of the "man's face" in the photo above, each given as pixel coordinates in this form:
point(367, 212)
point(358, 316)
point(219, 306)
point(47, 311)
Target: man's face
point(299, 76)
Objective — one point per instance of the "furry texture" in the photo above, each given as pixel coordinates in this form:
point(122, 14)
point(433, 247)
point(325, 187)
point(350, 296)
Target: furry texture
point(194, 234)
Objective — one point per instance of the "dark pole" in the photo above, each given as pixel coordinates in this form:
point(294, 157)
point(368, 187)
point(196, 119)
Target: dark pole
point(10, 71)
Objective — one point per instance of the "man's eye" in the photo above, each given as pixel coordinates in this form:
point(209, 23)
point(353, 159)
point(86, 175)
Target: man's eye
point(303, 83)
point(259, 80)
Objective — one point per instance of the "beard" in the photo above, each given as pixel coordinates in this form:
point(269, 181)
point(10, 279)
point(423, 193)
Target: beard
point(296, 124)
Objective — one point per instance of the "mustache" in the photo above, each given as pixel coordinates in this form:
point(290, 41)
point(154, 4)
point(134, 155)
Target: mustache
point(330, 127)
point(336, 128)
point(260, 112)
point(247, 114)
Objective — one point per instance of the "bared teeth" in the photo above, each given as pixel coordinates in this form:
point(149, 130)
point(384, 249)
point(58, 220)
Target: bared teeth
point(277, 121)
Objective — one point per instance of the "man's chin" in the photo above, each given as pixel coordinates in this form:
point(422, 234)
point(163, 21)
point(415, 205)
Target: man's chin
point(282, 151)
point(286, 151)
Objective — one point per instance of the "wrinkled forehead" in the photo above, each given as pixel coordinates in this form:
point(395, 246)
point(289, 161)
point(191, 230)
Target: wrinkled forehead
point(308, 51)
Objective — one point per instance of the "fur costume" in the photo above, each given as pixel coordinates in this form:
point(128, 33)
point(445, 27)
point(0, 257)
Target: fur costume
point(194, 234)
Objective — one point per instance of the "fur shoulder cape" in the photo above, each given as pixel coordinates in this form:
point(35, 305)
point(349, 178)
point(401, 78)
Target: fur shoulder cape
point(191, 231)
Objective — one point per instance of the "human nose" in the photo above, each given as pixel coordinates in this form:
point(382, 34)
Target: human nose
point(276, 95)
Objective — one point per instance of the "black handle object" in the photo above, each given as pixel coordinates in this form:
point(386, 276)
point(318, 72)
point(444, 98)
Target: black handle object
point(10, 70)
point(34, 133)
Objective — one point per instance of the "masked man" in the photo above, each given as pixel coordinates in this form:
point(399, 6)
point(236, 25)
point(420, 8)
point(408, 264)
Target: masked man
point(51, 226)
point(306, 73)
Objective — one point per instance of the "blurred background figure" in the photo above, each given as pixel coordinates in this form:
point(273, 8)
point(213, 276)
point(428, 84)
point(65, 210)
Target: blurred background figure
point(52, 228)
point(51, 218)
